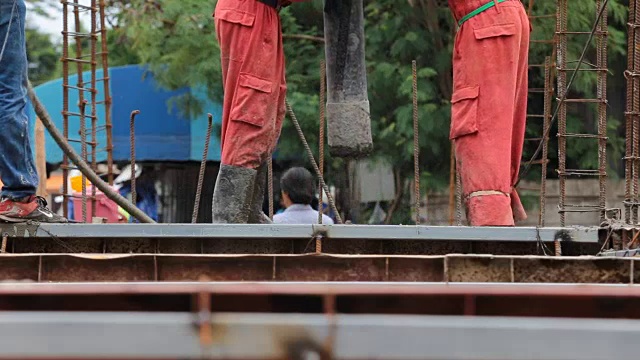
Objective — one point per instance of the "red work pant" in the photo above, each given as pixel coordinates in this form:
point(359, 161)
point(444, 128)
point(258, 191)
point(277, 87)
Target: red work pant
point(488, 108)
point(253, 76)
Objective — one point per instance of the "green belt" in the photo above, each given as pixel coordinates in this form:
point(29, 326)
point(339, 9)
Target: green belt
point(479, 10)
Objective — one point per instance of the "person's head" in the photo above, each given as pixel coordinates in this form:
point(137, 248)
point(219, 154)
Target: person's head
point(297, 187)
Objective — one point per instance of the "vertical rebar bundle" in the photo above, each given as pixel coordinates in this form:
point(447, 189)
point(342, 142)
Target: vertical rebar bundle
point(565, 67)
point(542, 94)
point(632, 115)
point(87, 91)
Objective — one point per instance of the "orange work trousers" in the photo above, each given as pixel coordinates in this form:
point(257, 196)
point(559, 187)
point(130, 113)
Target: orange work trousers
point(253, 75)
point(489, 107)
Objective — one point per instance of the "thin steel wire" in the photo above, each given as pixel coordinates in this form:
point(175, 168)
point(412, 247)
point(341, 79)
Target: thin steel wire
point(416, 143)
point(313, 161)
point(203, 168)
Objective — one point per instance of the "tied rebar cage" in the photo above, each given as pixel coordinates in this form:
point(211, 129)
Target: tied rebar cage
point(632, 115)
point(93, 100)
point(566, 68)
point(542, 50)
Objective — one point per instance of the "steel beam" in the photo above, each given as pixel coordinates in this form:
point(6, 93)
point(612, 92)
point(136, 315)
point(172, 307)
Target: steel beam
point(277, 336)
point(346, 232)
point(293, 239)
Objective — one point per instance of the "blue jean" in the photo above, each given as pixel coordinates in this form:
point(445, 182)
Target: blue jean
point(17, 166)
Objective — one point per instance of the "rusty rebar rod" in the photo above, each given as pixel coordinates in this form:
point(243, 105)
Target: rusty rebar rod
point(94, 99)
point(632, 115)
point(321, 137)
point(416, 143)
point(561, 28)
point(203, 168)
point(65, 104)
point(132, 140)
point(107, 102)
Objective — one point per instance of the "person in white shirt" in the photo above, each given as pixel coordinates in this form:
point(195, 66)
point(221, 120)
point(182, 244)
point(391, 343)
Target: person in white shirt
point(298, 191)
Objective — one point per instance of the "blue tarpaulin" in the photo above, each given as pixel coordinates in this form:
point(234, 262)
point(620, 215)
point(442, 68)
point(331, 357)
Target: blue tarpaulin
point(162, 133)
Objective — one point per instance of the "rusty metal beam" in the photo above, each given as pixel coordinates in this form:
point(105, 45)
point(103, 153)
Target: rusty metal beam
point(539, 300)
point(369, 268)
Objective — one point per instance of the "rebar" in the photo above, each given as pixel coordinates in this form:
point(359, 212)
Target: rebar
point(203, 168)
point(94, 93)
point(95, 10)
point(452, 185)
point(600, 32)
point(296, 124)
point(416, 144)
point(44, 116)
point(544, 95)
point(602, 63)
point(270, 185)
point(65, 105)
point(561, 34)
point(322, 105)
point(132, 143)
point(106, 89)
point(83, 144)
point(632, 116)
point(458, 198)
point(548, 98)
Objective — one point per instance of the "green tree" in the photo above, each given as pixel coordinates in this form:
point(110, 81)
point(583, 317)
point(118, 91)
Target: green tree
point(43, 56)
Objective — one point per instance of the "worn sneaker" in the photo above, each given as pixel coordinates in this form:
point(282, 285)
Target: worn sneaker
point(33, 208)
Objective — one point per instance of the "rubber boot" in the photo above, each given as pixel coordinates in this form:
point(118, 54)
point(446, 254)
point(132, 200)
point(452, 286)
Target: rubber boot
point(232, 195)
point(256, 215)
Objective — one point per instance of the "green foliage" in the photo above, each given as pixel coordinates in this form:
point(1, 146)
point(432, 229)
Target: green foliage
point(42, 55)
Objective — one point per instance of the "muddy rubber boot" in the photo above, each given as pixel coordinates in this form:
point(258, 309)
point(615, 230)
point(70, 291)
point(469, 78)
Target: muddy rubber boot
point(232, 195)
point(256, 215)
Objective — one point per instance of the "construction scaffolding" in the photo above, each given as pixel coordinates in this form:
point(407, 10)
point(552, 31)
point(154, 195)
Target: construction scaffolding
point(91, 99)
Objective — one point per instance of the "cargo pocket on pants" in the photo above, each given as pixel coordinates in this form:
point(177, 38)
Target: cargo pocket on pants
point(464, 112)
point(253, 101)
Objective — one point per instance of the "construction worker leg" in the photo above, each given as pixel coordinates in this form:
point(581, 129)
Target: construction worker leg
point(252, 62)
point(519, 118)
point(487, 124)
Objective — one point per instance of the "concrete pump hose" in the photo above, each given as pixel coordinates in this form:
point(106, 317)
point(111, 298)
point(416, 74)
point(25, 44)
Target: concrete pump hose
point(86, 170)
